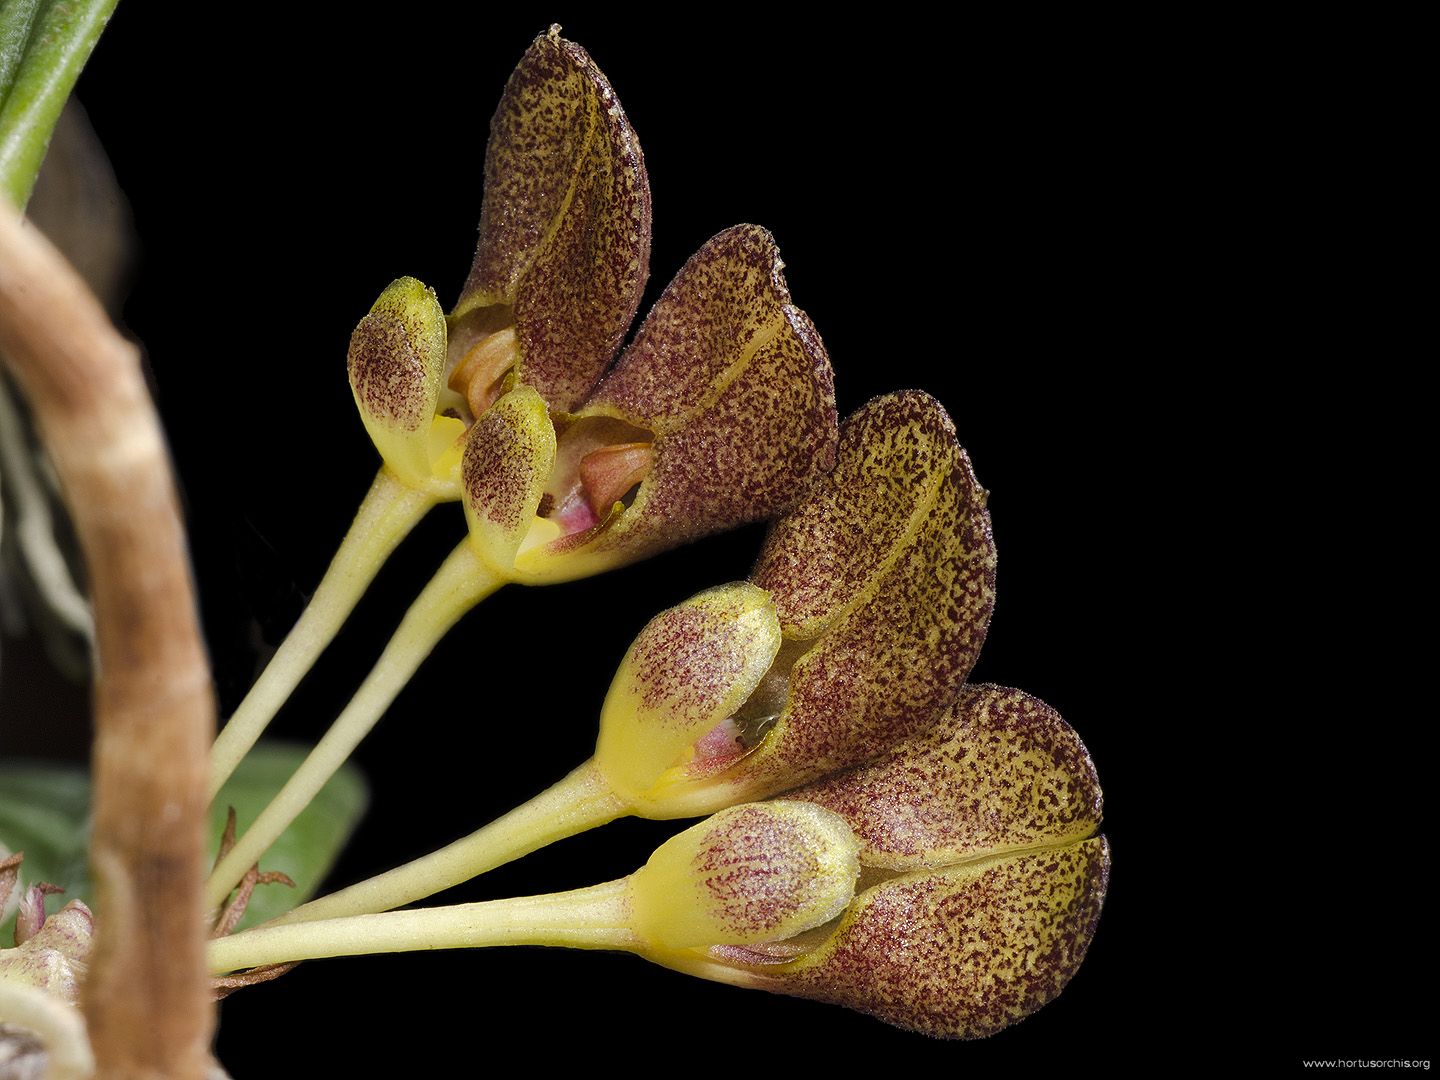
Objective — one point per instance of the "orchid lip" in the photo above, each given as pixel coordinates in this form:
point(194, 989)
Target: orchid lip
point(600, 464)
point(743, 732)
point(481, 372)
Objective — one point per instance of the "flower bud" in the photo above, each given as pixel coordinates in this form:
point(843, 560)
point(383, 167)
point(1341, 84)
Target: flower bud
point(55, 956)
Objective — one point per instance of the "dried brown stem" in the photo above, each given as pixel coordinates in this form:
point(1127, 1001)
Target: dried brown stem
point(147, 998)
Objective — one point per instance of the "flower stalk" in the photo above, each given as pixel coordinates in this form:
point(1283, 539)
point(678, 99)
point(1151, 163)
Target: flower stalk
point(747, 874)
point(590, 918)
point(461, 583)
point(578, 803)
point(388, 512)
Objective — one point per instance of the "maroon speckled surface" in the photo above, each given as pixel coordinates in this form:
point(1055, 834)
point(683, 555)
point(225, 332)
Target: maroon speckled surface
point(565, 226)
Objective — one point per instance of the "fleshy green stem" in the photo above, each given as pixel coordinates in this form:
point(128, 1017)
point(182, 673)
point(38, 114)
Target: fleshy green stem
point(388, 512)
point(42, 49)
point(581, 801)
point(461, 583)
point(593, 918)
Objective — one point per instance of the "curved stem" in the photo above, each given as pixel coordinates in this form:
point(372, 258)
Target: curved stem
point(154, 709)
point(593, 918)
point(581, 801)
point(461, 583)
point(388, 512)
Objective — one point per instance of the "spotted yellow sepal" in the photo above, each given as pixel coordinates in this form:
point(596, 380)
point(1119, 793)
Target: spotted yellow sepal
point(396, 359)
point(690, 668)
point(509, 453)
point(758, 872)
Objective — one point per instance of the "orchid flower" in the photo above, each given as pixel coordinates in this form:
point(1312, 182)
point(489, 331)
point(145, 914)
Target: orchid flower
point(561, 262)
point(984, 871)
point(950, 887)
point(721, 412)
point(867, 608)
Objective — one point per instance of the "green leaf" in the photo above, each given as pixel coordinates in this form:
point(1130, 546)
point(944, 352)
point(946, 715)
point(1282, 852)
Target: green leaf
point(43, 46)
point(17, 19)
point(44, 812)
point(309, 847)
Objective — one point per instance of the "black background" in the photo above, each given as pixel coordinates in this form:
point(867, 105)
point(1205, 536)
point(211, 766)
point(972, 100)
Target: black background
point(1006, 215)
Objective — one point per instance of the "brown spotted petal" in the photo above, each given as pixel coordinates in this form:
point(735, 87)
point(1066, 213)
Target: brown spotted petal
point(733, 387)
point(564, 246)
point(958, 953)
point(981, 833)
point(1000, 771)
point(884, 579)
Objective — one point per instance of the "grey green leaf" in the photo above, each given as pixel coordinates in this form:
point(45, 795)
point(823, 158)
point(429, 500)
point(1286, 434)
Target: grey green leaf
point(44, 812)
point(309, 847)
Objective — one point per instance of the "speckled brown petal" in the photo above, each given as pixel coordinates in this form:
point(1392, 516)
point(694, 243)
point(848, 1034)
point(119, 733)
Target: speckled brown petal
point(509, 453)
point(823, 556)
point(736, 384)
point(999, 772)
point(891, 561)
point(726, 302)
point(957, 953)
point(565, 225)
